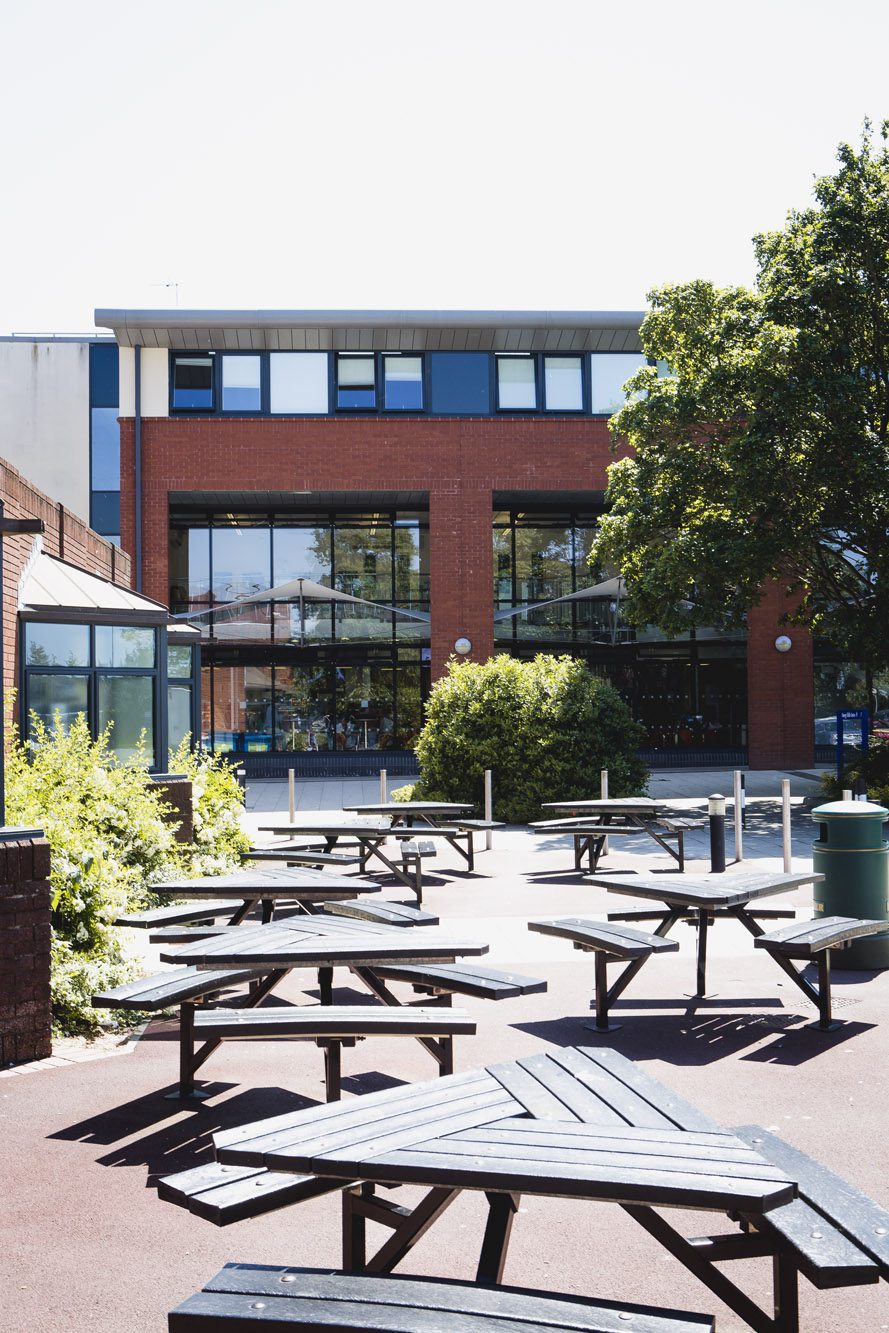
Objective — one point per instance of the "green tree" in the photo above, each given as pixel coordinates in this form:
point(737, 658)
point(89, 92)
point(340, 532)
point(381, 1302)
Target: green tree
point(761, 454)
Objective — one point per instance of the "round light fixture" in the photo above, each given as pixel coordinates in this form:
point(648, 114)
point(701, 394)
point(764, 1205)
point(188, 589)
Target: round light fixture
point(463, 646)
point(783, 643)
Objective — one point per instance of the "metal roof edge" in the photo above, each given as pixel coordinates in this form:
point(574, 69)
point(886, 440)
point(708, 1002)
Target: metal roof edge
point(178, 318)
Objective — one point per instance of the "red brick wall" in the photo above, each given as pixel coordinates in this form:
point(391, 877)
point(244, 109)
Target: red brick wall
point(780, 689)
point(25, 1017)
point(458, 462)
point(66, 536)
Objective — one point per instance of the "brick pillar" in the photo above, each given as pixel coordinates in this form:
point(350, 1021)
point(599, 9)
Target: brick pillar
point(780, 689)
point(461, 562)
point(25, 1014)
point(175, 789)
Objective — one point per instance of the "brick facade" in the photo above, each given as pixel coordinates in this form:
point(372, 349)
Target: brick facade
point(66, 537)
point(25, 1023)
point(460, 463)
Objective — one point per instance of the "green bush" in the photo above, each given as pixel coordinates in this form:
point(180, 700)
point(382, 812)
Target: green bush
point(405, 793)
point(545, 728)
point(872, 767)
point(111, 839)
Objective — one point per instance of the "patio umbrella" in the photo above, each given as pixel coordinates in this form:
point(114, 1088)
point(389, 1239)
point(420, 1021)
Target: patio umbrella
point(609, 588)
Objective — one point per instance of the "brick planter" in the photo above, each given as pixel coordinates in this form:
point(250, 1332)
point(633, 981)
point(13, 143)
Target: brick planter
point(176, 791)
point(25, 1014)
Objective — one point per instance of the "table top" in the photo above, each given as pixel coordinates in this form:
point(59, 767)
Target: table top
point(626, 805)
point(410, 808)
point(258, 882)
point(322, 941)
point(725, 890)
point(329, 827)
point(577, 1122)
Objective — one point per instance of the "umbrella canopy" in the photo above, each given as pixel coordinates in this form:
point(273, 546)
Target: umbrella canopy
point(612, 589)
point(301, 590)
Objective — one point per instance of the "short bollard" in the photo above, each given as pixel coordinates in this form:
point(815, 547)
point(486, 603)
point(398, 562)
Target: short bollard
point(716, 811)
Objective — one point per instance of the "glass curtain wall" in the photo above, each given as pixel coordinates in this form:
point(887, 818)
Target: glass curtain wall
point(286, 674)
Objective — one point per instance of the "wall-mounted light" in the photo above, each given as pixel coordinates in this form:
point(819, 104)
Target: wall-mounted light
point(463, 646)
point(783, 643)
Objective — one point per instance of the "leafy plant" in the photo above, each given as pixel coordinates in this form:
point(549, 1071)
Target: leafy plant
point(872, 768)
point(218, 802)
point(546, 728)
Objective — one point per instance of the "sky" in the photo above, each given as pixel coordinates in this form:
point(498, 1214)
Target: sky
point(491, 154)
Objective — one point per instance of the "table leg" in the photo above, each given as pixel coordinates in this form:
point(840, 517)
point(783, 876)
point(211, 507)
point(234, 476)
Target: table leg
point(502, 1209)
point(325, 984)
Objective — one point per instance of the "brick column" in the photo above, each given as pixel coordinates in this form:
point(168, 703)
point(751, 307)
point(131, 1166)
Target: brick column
point(780, 689)
point(176, 790)
point(462, 570)
point(25, 1015)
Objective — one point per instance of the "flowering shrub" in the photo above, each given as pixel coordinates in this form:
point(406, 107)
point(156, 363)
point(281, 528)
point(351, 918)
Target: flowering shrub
point(110, 842)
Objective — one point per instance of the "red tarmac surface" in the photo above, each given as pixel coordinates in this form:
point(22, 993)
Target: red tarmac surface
point(87, 1247)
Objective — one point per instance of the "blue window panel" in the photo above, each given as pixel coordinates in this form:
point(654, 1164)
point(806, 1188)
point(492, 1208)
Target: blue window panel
point(193, 383)
point(460, 383)
point(356, 398)
point(103, 375)
point(104, 449)
point(105, 512)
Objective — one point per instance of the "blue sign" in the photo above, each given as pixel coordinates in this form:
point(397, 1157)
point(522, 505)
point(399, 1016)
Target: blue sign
point(860, 719)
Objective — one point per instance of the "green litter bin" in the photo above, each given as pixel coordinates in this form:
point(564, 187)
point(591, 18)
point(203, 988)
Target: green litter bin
point(854, 859)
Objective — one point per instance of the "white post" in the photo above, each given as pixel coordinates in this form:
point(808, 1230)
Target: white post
point(785, 822)
point(739, 817)
point(847, 793)
point(384, 784)
point(603, 795)
point(489, 806)
point(291, 794)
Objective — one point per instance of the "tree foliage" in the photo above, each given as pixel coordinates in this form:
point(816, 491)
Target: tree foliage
point(546, 728)
point(761, 454)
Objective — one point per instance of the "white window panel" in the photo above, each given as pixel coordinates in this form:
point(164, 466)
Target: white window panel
point(298, 383)
point(241, 384)
point(563, 381)
point(609, 371)
point(516, 383)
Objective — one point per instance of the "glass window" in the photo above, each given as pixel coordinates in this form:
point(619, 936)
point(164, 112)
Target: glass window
point(104, 449)
point(363, 560)
point(178, 714)
point(241, 561)
point(301, 553)
point(127, 702)
point(241, 391)
point(364, 707)
point(242, 707)
point(189, 568)
point(124, 646)
point(609, 371)
point(193, 383)
point(57, 645)
point(403, 383)
point(180, 660)
point(355, 383)
point(303, 708)
point(412, 563)
point(53, 694)
point(563, 383)
point(298, 382)
point(516, 383)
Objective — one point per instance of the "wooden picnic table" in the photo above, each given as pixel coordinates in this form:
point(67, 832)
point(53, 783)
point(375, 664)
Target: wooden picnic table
point(574, 1123)
point(591, 822)
point(702, 899)
point(371, 837)
point(406, 812)
point(268, 886)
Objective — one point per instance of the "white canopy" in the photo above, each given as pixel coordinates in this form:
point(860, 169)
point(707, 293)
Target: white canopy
point(609, 589)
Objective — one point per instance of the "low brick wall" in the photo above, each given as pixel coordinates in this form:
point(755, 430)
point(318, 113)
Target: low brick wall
point(176, 791)
point(25, 1000)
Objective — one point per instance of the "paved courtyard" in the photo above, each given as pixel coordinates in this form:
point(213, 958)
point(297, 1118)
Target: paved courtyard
point(86, 1244)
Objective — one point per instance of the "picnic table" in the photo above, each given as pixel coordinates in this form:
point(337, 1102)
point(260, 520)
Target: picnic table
point(574, 1123)
point(407, 812)
point(591, 822)
point(700, 899)
point(371, 837)
point(268, 886)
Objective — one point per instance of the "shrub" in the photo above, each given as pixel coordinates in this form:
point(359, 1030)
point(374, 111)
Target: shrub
point(218, 801)
point(872, 767)
point(545, 727)
point(405, 793)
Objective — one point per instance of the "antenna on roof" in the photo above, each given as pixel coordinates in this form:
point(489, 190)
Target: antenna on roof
point(168, 285)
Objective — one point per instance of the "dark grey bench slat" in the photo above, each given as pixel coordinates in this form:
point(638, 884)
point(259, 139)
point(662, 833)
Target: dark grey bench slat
point(865, 1222)
point(327, 1020)
point(619, 941)
point(392, 914)
point(165, 988)
point(639, 1087)
point(462, 979)
point(824, 1254)
point(803, 938)
point(162, 916)
point(417, 847)
point(183, 934)
point(226, 1194)
point(478, 825)
point(300, 857)
point(313, 1298)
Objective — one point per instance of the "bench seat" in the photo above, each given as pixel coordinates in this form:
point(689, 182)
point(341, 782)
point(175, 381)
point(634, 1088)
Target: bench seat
point(447, 979)
point(610, 942)
point(413, 852)
point(479, 825)
point(225, 1194)
point(179, 912)
point(390, 914)
point(163, 989)
point(333, 1026)
point(808, 940)
point(299, 856)
point(310, 1299)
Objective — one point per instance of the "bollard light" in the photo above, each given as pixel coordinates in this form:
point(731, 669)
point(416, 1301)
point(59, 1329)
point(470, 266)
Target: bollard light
point(716, 811)
point(716, 805)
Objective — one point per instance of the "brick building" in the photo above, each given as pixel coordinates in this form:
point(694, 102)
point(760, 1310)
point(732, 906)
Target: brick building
point(440, 471)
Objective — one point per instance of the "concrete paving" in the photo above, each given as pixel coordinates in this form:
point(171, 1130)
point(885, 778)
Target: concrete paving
point(87, 1247)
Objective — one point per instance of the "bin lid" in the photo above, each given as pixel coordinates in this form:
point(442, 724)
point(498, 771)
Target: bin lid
point(849, 809)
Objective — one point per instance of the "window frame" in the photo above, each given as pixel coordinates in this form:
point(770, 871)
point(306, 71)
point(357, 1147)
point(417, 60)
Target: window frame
point(264, 379)
point(374, 359)
point(424, 395)
point(584, 384)
point(178, 354)
point(526, 358)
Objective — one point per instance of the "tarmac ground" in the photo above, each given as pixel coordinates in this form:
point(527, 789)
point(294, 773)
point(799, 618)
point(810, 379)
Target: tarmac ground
point(87, 1247)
